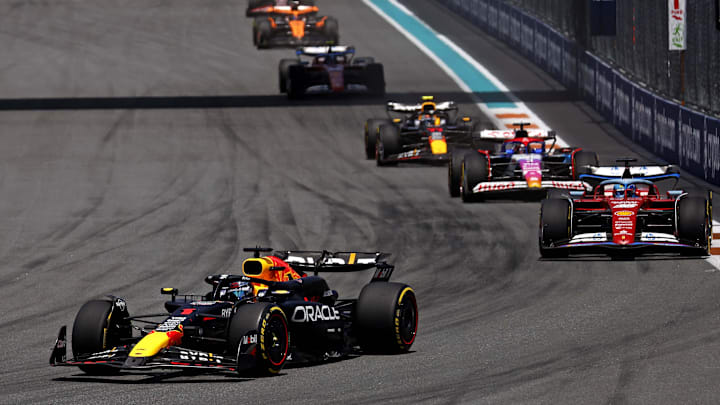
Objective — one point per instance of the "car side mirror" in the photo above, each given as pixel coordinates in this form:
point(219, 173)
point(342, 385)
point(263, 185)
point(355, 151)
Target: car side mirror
point(675, 193)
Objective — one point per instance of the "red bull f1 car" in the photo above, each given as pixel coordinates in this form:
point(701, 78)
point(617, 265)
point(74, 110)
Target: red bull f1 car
point(277, 311)
point(330, 69)
point(426, 132)
point(522, 161)
point(625, 213)
point(282, 24)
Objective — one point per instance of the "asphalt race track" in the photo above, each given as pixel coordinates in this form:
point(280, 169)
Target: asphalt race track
point(144, 143)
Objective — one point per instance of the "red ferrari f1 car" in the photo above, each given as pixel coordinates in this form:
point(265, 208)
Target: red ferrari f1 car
point(625, 213)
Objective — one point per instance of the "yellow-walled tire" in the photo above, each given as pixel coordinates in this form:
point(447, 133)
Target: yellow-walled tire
point(386, 318)
point(268, 326)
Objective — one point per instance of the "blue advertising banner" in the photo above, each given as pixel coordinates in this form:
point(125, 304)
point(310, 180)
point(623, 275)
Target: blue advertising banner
point(586, 77)
point(665, 130)
point(623, 106)
point(643, 117)
point(516, 28)
point(712, 150)
point(528, 37)
point(603, 17)
point(483, 14)
point(540, 48)
point(570, 65)
point(555, 54)
point(504, 21)
point(604, 82)
point(691, 135)
point(492, 17)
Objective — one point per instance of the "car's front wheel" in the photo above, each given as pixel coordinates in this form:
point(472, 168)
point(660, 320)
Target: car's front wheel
point(259, 330)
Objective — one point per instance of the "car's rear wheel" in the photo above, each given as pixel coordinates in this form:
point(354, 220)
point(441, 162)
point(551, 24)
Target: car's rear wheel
point(331, 31)
point(375, 79)
point(262, 31)
point(260, 330)
point(693, 222)
point(97, 328)
point(386, 317)
point(372, 127)
point(473, 170)
point(388, 144)
point(554, 226)
point(283, 71)
point(295, 83)
point(581, 161)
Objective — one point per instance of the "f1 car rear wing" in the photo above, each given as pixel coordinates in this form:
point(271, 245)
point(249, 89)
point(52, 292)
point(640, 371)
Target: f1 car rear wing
point(501, 135)
point(275, 9)
point(393, 106)
point(652, 173)
point(325, 50)
point(331, 262)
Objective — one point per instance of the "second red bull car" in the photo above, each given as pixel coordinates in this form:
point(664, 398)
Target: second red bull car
point(277, 311)
point(426, 132)
point(625, 213)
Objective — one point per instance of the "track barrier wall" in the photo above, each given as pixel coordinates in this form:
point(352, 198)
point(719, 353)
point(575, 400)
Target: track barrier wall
point(675, 133)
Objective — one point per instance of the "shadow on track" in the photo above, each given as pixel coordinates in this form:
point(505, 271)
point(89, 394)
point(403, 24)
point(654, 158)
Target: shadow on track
point(271, 101)
point(154, 378)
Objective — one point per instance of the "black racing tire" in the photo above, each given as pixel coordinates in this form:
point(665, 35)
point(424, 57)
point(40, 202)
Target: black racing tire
point(295, 84)
point(283, 69)
point(388, 143)
point(375, 83)
point(693, 222)
point(581, 161)
point(331, 30)
point(554, 226)
point(473, 170)
point(261, 32)
point(454, 169)
point(386, 318)
point(270, 326)
point(372, 127)
point(95, 329)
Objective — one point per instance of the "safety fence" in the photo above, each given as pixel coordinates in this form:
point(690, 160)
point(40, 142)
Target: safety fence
point(640, 46)
point(675, 133)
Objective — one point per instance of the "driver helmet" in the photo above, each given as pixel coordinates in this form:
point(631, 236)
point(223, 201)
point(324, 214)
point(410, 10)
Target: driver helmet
point(619, 191)
point(631, 190)
point(236, 291)
point(519, 148)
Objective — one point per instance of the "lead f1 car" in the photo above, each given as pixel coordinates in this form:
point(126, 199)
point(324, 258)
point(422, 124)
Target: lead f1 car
point(426, 132)
point(292, 25)
point(252, 323)
point(528, 162)
point(332, 69)
point(625, 213)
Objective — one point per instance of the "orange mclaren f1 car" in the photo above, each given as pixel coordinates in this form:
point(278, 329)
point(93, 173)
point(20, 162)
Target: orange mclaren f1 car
point(251, 323)
point(291, 24)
